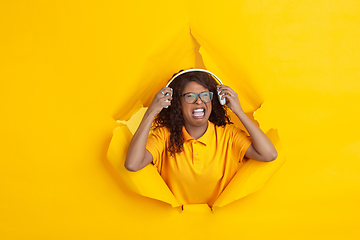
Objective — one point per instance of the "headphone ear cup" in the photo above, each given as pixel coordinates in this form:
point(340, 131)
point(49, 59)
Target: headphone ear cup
point(222, 101)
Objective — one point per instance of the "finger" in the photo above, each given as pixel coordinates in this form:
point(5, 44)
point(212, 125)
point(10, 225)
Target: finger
point(166, 94)
point(225, 97)
point(221, 87)
point(227, 89)
point(165, 103)
point(167, 97)
point(166, 91)
point(224, 87)
point(161, 92)
point(228, 92)
point(229, 97)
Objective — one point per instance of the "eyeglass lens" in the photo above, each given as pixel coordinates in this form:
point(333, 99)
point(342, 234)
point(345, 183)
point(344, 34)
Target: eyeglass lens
point(204, 96)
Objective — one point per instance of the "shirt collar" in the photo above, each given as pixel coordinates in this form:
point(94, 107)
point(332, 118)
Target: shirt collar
point(204, 138)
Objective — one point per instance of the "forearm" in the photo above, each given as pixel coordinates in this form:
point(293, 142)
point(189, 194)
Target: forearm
point(262, 148)
point(137, 157)
point(261, 143)
point(137, 147)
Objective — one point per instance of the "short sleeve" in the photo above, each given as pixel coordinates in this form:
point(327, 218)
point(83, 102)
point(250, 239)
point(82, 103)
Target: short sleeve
point(156, 144)
point(241, 141)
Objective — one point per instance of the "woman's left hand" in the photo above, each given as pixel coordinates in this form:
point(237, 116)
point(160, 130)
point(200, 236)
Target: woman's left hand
point(232, 99)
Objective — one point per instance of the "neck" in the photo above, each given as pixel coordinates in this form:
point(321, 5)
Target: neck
point(196, 132)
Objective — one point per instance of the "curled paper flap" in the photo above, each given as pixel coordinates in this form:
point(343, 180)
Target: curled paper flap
point(147, 181)
point(252, 176)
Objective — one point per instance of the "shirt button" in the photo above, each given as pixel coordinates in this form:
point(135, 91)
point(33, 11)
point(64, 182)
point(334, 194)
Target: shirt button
point(195, 142)
point(195, 153)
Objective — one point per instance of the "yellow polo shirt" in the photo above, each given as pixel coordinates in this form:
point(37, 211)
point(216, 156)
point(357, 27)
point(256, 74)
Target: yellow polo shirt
point(201, 172)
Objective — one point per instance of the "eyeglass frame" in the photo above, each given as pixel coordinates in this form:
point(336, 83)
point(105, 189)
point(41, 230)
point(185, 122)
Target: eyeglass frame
point(198, 95)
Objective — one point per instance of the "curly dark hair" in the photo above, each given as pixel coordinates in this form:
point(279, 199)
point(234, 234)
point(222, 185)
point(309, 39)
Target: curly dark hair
point(172, 117)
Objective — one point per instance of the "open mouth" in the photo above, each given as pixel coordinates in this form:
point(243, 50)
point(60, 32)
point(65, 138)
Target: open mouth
point(198, 112)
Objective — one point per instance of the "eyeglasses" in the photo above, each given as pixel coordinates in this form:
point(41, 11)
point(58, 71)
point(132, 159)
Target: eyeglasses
point(192, 97)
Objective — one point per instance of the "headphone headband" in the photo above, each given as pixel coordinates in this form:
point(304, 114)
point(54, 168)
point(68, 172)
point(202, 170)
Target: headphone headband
point(194, 70)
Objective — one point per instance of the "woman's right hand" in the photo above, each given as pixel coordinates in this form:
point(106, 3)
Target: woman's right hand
point(160, 100)
point(137, 156)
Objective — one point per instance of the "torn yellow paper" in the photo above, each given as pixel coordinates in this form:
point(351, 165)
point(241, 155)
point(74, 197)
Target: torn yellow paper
point(252, 175)
point(69, 68)
point(147, 181)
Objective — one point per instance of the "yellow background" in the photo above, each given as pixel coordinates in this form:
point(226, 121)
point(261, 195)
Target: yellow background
point(69, 68)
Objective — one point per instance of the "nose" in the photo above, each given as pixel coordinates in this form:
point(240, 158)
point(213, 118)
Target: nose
point(198, 100)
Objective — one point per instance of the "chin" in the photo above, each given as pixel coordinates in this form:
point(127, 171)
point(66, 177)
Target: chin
point(200, 122)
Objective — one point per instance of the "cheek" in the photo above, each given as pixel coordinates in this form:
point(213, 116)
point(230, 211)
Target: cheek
point(209, 108)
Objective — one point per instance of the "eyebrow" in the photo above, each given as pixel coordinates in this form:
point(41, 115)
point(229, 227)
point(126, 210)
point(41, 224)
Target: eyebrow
point(195, 93)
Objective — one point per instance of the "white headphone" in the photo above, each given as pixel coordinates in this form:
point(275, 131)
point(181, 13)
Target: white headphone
point(222, 101)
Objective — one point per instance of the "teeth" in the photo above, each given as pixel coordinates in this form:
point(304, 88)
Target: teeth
point(199, 112)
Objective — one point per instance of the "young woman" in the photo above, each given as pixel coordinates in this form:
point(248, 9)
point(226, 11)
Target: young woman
point(195, 147)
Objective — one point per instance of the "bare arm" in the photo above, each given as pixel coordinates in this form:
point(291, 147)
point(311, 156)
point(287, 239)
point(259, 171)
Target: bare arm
point(137, 156)
point(262, 148)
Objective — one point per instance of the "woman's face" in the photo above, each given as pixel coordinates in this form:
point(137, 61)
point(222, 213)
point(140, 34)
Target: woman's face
point(198, 113)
